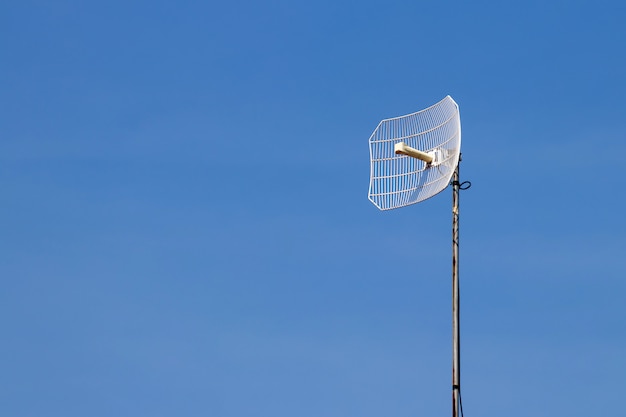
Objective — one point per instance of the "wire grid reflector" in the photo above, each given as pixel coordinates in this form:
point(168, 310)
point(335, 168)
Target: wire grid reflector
point(399, 180)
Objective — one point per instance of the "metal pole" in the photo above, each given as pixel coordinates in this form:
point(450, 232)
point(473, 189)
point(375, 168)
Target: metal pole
point(456, 336)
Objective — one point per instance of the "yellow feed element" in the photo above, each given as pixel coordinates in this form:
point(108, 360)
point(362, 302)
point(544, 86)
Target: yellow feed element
point(402, 149)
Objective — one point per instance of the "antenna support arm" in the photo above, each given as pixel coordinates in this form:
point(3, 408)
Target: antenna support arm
point(402, 148)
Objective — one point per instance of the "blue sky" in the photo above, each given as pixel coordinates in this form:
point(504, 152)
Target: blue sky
point(186, 230)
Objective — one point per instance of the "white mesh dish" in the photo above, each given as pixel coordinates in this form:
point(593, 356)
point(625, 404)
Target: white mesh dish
point(400, 180)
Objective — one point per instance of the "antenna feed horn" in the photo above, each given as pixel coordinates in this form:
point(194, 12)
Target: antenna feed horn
point(402, 148)
point(432, 158)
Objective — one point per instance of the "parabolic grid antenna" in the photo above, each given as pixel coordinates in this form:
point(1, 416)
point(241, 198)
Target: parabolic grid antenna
point(412, 158)
point(432, 137)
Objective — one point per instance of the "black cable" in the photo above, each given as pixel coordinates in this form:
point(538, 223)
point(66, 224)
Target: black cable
point(460, 400)
point(462, 185)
